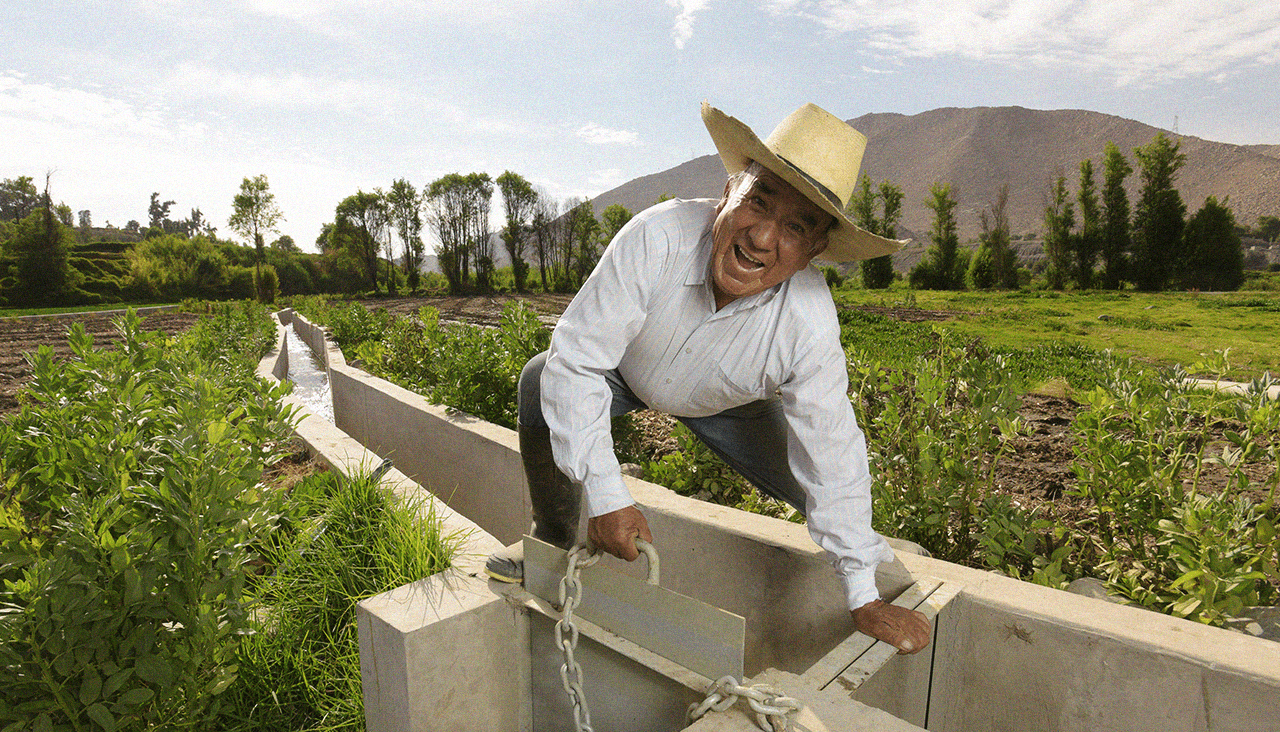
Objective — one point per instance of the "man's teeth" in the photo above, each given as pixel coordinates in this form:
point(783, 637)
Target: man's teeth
point(748, 257)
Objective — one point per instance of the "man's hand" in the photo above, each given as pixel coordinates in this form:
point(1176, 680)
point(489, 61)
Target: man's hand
point(616, 532)
point(909, 630)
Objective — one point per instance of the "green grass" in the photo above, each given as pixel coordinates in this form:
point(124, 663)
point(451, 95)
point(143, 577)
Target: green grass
point(339, 542)
point(1157, 328)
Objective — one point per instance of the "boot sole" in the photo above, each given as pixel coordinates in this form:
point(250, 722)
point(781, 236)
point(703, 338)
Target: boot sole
point(510, 577)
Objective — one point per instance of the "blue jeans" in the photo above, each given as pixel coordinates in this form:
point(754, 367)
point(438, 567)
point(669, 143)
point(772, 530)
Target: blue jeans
point(751, 438)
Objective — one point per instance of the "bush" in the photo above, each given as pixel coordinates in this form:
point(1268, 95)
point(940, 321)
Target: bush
point(131, 485)
point(267, 284)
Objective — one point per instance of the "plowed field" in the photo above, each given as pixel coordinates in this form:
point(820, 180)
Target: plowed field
point(20, 336)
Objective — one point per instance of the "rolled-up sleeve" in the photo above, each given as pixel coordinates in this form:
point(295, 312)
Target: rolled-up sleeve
point(590, 339)
point(828, 456)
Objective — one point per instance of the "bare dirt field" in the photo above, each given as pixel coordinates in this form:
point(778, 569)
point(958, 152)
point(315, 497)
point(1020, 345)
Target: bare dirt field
point(20, 336)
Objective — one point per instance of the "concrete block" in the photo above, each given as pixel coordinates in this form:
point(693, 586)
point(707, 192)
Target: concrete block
point(1011, 655)
point(443, 653)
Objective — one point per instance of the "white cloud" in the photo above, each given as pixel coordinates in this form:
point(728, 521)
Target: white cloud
point(74, 108)
point(682, 30)
point(1134, 43)
point(605, 180)
point(598, 135)
point(293, 90)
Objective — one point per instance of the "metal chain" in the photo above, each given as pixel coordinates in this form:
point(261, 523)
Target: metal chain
point(769, 704)
point(570, 672)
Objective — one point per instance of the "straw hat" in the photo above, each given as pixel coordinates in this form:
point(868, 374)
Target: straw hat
point(819, 155)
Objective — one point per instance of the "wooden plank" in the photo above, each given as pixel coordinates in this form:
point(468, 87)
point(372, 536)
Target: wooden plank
point(878, 655)
point(702, 638)
point(857, 644)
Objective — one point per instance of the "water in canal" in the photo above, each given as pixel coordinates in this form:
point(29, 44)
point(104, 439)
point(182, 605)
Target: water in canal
point(310, 379)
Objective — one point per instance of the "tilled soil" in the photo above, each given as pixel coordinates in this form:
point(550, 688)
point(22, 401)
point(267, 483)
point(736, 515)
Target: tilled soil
point(476, 309)
point(21, 336)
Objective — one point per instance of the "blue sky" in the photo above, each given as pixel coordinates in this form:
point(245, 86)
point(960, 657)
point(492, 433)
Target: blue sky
point(188, 97)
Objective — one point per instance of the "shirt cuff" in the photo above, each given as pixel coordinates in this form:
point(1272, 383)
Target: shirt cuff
point(607, 496)
point(860, 587)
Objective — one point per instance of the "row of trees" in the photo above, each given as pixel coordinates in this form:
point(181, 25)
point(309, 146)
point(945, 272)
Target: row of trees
point(563, 239)
point(1154, 247)
point(44, 260)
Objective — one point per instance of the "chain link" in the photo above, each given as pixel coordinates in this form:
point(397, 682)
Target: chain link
point(768, 704)
point(570, 672)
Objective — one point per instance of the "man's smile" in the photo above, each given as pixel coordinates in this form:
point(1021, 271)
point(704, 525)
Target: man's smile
point(746, 260)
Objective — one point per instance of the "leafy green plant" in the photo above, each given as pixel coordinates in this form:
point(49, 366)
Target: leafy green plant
point(470, 368)
point(694, 470)
point(1157, 538)
point(136, 474)
point(935, 434)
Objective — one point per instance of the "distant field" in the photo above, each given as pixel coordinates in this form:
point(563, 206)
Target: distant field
point(1161, 328)
point(17, 312)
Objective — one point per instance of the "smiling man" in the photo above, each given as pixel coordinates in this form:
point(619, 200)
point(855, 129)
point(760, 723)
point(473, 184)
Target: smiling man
point(711, 312)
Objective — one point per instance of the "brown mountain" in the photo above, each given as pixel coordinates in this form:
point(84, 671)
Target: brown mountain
point(979, 149)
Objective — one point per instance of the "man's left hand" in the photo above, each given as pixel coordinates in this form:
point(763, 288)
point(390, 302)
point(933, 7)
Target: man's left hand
point(908, 630)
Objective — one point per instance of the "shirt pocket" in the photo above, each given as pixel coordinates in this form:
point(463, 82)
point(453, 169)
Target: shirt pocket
point(741, 387)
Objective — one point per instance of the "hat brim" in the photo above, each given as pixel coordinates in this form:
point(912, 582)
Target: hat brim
point(739, 147)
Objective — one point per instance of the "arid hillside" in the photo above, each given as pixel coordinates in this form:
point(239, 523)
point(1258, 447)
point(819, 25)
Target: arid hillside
point(979, 149)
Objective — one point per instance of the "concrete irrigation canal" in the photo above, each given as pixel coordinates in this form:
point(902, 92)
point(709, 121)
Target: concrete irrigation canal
point(455, 651)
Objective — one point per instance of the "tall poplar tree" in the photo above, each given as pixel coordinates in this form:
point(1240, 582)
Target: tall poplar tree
point(1087, 241)
point(1159, 216)
point(1059, 218)
point(938, 271)
point(1114, 235)
point(877, 273)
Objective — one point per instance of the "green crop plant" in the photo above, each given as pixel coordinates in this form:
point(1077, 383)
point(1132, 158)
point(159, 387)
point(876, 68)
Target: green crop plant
point(131, 485)
point(468, 367)
point(1155, 534)
point(935, 434)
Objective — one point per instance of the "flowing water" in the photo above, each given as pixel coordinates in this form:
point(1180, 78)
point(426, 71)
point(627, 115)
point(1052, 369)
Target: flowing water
point(310, 379)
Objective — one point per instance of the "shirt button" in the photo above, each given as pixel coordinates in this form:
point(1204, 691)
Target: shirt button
point(688, 350)
point(668, 381)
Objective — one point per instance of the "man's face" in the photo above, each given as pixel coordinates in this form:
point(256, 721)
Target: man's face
point(765, 231)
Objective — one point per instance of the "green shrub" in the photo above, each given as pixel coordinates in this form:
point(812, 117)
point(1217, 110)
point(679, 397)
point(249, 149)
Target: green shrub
point(266, 284)
point(135, 473)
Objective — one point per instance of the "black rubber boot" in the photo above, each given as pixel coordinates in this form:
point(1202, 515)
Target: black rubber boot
point(556, 500)
point(556, 503)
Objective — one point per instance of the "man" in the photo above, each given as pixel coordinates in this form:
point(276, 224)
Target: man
point(711, 312)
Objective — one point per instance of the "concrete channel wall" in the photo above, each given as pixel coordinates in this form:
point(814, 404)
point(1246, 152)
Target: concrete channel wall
point(435, 654)
point(1007, 655)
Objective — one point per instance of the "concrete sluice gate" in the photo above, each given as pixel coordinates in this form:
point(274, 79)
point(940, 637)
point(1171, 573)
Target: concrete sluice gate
point(458, 652)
